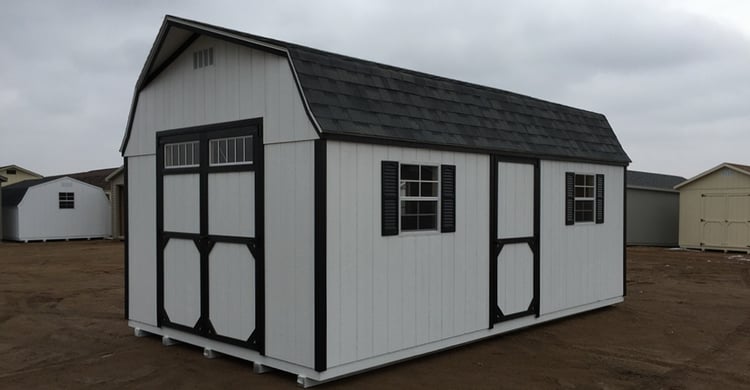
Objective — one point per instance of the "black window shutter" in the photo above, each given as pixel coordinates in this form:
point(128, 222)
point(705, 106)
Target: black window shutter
point(570, 179)
point(389, 176)
point(447, 198)
point(599, 199)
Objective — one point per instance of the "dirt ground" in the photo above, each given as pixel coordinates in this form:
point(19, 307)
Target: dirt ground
point(685, 324)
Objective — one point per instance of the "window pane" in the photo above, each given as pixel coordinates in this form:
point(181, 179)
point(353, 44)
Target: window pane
point(231, 150)
point(428, 207)
point(427, 222)
point(175, 156)
point(196, 153)
point(240, 145)
point(589, 192)
point(412, 188)
point(214, 151)
point(167, 155)
point(248, 149)
point(409, 207)
point(580, 180)
point(222, 151)
point(409, 223)
point(429, 173)
point(429, 189)
point(409, 172)
point(590, 180)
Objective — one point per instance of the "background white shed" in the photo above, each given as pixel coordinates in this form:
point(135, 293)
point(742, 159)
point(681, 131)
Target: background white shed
point(54, 208)
point(325, 215)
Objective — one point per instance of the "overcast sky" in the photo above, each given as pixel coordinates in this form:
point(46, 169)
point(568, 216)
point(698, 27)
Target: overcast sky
point(672, 77)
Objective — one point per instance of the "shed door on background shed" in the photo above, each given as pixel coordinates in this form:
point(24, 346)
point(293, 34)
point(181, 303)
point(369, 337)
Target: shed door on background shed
point(725, 220)
point(514, 242)
point(209, 190)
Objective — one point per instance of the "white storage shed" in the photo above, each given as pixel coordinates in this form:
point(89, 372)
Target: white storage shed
point(325, 215)
point(54, 208)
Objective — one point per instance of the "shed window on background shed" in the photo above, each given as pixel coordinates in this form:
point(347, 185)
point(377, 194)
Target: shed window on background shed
point(231, 151)
point(182, 155)
point(66, 200)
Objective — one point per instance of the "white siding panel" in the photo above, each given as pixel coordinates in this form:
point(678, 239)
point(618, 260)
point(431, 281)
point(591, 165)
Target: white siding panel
point(182, 283)
point(182, 203)
point(290, 259)
point(582, 263)
point(243, 83)
point(389, 293)
point(142, 238)
point(231, 270)
point(515, 200)
point(231, 204)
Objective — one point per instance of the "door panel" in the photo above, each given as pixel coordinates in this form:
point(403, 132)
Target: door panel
point(182, 288)
point(515, 278)
point(515, 200)
point(514, 249)
point(209, 224)
point(232, 290)
point(231, 204)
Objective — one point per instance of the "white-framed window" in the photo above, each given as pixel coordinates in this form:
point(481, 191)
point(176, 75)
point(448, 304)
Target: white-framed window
point(182, 155)
point(66, 200)
point(418, 197)
point(585, 185)
point(231, 151)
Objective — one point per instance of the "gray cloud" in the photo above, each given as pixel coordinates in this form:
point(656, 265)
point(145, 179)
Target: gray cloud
point(673, 84)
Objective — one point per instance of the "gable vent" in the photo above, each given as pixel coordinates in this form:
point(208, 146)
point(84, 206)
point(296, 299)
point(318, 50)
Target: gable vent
point(203, 58)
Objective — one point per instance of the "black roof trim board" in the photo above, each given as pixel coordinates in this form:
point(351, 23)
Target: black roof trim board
point(362, 101)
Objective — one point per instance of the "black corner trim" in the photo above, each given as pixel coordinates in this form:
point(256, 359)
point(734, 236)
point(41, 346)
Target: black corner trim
point(389, 198)
point(320, 256)
point(570, 179)
point(599, 198)
point(447, 198)
point(126, 256)
point(624, 232)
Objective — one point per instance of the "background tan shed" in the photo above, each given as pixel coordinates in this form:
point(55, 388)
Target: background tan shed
point(715, 209)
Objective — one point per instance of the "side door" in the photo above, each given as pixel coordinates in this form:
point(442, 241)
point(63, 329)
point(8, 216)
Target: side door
point(514, 239)
point(209, 232)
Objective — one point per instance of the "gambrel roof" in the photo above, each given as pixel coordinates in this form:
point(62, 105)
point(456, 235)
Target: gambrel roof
point(353, 99)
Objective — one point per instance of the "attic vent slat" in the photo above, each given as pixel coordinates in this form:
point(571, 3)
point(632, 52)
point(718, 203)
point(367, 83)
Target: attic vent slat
point(203, 58)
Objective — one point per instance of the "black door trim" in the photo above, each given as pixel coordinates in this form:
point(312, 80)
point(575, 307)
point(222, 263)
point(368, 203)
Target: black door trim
point(496, 245)
point(205, 241)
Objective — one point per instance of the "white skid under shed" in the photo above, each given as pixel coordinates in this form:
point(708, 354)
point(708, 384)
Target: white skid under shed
point(325, 215)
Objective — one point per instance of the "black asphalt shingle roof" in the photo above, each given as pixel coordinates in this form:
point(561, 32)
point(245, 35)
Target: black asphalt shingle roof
point(357, 99)
point(354, 97)
point(652, 180)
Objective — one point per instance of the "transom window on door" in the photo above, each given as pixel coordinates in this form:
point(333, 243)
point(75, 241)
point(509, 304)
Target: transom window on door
point(182, 155)
point(418, 192)
point(584, 198)
point(231, 151)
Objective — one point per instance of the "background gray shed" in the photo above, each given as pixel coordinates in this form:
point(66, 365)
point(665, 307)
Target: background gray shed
point(653, 209)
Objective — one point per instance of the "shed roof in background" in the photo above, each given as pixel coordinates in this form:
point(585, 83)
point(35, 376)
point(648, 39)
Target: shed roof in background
point(96, 177)
point(13, 166)
point(744, 169)
point(652, 181)
point(351, 98)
